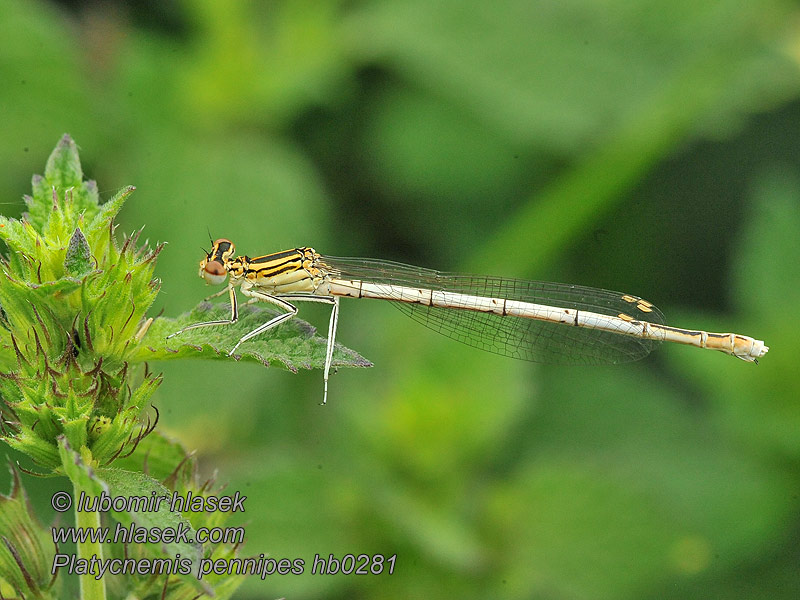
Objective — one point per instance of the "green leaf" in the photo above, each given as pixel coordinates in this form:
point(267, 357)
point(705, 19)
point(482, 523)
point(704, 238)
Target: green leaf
point(41, 451)
point(75, 432)
point(109, 210)
point(62, 200)
point(157, 455)
point(78, 259)
point(293, 344)
point(63, 169)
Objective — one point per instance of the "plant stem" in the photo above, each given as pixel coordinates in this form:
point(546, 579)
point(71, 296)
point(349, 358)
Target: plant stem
point(92, 588)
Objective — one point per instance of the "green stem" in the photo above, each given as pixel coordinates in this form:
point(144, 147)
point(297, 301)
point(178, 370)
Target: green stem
point(91, 587)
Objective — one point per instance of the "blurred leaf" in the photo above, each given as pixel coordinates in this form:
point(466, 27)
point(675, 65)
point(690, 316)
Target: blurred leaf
point(509, 63)
point(447, 409)
point(767, 287)
point(268, 61)
point(628, 485)
point(156, 455)
point(613, 85)
point(26, 547)
point(40, 65)
point(442, 531)
point(428, 147)
point(301, 521)
point(129, 484)
point(760, 402)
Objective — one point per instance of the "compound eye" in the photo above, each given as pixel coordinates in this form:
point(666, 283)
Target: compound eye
point(214, 272)
point(214, 267)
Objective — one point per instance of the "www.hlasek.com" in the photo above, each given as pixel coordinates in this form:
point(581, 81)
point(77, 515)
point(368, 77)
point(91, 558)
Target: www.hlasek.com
point(349, 564)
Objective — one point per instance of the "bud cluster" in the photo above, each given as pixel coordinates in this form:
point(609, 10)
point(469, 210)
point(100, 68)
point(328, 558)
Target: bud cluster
point(72, 312)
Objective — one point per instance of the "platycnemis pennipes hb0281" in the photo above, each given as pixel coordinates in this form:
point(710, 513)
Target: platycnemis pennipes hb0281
point(531, 320)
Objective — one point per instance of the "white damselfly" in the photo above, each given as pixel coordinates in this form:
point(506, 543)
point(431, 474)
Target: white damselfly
point(542, 322)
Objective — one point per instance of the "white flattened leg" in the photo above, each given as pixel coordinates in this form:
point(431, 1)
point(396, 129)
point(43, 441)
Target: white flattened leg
point(234, 313)
point(291, 311)
point(331, 343)
point(331, 329)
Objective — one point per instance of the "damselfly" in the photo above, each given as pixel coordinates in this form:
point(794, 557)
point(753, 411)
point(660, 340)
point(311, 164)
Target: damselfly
point(530, 320)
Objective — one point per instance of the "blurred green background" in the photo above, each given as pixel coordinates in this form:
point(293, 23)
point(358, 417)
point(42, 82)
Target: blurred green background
point(650, 147)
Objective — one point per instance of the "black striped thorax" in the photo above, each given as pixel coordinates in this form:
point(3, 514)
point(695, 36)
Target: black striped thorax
point(275, 265)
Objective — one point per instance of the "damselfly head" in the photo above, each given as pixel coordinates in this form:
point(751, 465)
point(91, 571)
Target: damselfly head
point(212, 267)
point(222, 250)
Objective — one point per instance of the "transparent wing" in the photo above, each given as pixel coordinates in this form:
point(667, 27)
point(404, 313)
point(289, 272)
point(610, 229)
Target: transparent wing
point(526, 339)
